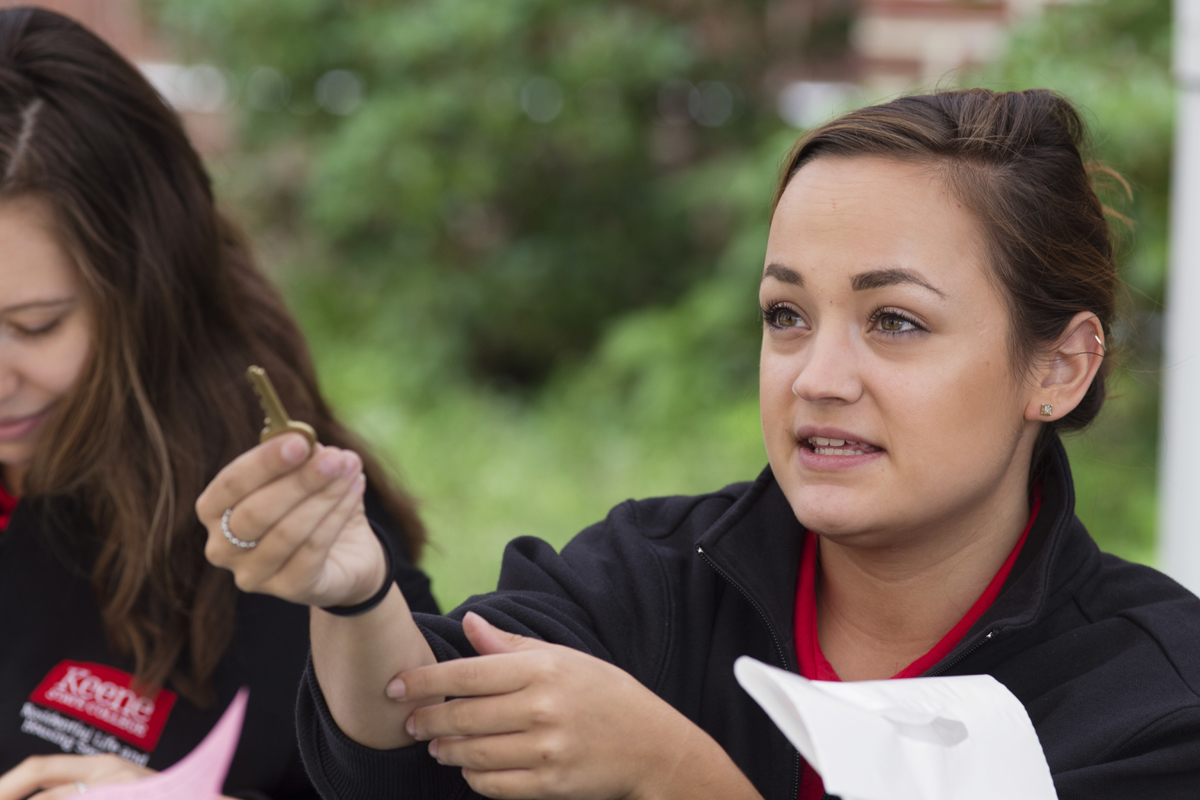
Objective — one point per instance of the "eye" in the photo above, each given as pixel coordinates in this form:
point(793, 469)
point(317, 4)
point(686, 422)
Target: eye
point(894, 323)
point(782, 317)
point(33, 332)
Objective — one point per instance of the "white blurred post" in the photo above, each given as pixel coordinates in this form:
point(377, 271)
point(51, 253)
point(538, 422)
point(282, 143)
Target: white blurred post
point(1179, 467)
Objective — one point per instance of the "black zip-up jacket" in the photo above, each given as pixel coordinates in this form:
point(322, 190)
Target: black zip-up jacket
point(1105, 655)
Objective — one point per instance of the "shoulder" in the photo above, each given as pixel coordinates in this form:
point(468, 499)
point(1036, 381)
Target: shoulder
point(641, 547)
point(1118, 701)
point(658, 518)
point(1157, 607)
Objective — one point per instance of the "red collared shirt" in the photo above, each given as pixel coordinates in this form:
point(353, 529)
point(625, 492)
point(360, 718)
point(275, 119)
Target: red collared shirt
point(812, 662)
point(7, 504)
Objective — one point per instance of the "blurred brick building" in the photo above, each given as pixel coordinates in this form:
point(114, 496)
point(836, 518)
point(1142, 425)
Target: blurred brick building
point(119, 22)
point(888, 47)
point(123, 24)
point(901, 44)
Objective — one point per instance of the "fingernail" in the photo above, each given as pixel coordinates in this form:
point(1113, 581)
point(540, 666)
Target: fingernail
point(294, 450)
point(331, 463)
point(360, 482)
point(433, 748)
point(396, 689)
point(411, 727)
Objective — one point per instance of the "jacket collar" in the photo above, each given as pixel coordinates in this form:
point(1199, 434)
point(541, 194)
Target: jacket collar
point(756, 544)
point(1056, 553)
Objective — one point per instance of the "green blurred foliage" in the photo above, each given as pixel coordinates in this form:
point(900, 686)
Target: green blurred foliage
point(511, 159)
point(536, 320)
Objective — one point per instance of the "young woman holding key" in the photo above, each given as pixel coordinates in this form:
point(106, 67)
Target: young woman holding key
point(130, 310)
point(937, 299)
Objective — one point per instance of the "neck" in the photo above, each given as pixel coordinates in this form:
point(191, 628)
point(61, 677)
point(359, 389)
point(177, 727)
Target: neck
point(881, 607)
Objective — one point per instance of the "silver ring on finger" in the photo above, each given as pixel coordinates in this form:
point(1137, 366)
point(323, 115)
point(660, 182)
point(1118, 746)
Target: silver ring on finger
point(233, 540)
point(81, 786)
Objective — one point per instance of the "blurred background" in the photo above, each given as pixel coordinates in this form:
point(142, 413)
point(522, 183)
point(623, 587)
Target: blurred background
point(524, 236)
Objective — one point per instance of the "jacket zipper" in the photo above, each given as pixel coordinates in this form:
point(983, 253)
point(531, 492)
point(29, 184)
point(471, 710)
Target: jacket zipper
point(774, 637)
point(949, 665)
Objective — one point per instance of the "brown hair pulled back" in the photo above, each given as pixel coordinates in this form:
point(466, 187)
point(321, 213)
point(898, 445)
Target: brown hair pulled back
point(180, 311)
point(1014, 159)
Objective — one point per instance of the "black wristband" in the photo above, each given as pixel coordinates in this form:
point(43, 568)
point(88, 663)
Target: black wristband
point(377, 598)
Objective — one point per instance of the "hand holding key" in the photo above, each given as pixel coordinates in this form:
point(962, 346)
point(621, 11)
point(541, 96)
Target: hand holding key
point(294, 514)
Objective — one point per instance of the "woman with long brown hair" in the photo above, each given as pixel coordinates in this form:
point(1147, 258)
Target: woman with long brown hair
point(130, 310)
point(937, 297)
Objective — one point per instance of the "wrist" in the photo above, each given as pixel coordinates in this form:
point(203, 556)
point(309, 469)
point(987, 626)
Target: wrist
point(373, 586)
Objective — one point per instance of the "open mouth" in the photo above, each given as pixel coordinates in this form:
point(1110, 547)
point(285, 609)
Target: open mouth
point(838, 447)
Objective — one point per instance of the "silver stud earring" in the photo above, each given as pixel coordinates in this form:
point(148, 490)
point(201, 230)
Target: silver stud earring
point(1047, 410)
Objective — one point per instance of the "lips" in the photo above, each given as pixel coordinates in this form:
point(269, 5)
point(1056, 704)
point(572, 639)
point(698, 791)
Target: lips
point(15, 428)
point(832, 450)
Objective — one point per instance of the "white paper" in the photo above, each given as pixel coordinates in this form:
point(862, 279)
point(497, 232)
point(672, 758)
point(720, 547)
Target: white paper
point(199, 776)
point(958, 738)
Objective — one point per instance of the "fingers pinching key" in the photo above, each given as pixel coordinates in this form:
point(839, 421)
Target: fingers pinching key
point(277, 421)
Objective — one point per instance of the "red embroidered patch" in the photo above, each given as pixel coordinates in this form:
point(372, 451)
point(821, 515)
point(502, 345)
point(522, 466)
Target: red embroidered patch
point(105, 697)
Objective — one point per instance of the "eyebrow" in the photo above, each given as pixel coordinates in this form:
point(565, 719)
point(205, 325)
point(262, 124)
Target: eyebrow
point(782, 274)
point(36, 304)
point(879, 278)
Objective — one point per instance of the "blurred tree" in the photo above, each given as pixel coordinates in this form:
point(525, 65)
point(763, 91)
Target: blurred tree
point(503, 170)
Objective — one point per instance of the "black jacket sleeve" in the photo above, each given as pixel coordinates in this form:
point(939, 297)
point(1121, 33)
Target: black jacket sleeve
point(604, 595)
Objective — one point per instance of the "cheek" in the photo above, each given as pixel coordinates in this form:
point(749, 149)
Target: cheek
point(776, 375)
point(955, 419)
point(776, 403)
point(69, 354)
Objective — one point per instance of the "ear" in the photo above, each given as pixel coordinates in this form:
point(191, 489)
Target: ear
point(1063, 376)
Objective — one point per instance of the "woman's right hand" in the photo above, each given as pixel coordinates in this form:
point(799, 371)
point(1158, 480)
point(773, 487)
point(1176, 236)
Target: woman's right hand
point(315, 547)
point(305, 512)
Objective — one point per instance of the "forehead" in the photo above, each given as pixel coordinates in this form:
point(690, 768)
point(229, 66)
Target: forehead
point(34, 266)
point(850, 215)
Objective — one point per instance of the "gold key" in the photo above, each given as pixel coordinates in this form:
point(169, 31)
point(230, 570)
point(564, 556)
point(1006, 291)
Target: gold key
point(277, 420)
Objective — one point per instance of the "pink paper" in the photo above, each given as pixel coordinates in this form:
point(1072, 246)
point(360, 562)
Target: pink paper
point(199, 776)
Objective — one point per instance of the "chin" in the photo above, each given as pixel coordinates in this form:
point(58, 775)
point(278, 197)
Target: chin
point(15, 455)
point(833, 511)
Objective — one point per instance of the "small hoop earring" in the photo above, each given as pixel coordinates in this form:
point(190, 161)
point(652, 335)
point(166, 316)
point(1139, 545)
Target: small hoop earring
point(1102, 347)
point(1047, 410)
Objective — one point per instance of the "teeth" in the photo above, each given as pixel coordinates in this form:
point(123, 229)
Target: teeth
point(837, 447)
point(837, 451)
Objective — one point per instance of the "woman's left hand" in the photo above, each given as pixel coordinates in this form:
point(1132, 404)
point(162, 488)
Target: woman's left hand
point(540, 721)
point(57, 776)
point(61, 776)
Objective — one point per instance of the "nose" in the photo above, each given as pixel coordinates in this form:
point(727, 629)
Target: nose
point(830, 373)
